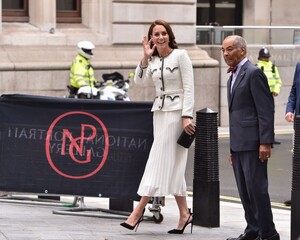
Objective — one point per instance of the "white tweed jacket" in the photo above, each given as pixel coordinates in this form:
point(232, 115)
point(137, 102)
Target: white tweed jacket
point(173, 79)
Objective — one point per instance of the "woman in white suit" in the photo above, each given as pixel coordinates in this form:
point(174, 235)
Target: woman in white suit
point(172, 73)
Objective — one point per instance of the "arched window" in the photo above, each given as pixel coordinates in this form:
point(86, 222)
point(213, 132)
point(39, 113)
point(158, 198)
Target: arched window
point(15, 11)
point(68, 11)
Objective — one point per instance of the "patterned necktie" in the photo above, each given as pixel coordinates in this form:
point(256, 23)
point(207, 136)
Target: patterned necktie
point(232, 69)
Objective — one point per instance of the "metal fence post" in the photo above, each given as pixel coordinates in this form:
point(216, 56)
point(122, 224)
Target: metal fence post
point(295, 207)
point(206, 184)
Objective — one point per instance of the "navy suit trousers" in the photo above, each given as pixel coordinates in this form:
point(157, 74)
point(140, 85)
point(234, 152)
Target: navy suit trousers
point(252, 182)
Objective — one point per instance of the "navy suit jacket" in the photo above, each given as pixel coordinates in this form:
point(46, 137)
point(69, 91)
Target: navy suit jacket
point(251, 110)
point(293, 104)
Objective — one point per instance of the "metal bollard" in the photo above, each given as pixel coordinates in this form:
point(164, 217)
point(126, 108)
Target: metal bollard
point(206, 184)
point(295, 207)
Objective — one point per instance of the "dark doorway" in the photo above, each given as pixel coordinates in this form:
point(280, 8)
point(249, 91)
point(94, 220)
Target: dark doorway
point(217, 13)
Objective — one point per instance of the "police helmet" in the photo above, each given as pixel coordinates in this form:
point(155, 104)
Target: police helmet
point(85, 49)
point(264, 53)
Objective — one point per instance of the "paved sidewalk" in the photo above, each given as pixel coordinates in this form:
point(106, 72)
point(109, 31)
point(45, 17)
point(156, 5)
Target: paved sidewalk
point(20, 220)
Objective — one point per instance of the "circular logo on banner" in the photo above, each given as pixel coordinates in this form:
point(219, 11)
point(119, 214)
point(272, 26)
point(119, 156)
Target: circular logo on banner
point(77, 145)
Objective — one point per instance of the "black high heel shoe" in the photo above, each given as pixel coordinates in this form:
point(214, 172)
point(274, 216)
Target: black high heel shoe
point(135, 226)
point(180, 231)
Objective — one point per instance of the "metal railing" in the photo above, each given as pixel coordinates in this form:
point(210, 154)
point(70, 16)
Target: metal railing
point(288, 35)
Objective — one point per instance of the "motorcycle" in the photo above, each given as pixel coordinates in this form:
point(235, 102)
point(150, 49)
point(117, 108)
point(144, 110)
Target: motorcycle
point(113, 87)
point(84, 92)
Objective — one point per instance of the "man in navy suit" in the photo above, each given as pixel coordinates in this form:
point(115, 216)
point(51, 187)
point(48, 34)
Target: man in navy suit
point(293, 104)
point(251, 119)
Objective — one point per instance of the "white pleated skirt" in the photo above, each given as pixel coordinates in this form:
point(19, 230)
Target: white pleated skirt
point(164, 173)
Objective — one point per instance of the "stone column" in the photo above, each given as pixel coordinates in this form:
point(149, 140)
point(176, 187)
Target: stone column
point(97, 15)
point(42, 14)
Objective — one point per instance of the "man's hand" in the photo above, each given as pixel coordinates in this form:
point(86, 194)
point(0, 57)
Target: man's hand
point(264, 152)
point(289, 117)
point(230, 159)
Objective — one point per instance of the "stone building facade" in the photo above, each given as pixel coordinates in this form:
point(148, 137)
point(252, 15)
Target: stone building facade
point(36, 55)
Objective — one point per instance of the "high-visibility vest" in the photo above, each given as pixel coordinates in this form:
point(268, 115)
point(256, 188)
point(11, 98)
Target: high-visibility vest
point(82, 73)
point(271, 71)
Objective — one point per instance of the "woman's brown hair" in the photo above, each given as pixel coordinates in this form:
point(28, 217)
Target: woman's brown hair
point(172, 42)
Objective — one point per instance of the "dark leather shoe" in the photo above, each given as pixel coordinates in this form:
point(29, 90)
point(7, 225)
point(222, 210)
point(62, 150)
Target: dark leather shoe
point(245, 237)
point(274, 237)
point(288, 203)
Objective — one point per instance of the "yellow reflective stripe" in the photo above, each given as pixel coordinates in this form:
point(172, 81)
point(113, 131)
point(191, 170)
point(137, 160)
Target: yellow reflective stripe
point(76, 75)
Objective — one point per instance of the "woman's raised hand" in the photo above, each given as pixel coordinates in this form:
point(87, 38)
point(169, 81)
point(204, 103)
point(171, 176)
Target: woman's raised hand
point(148, 50)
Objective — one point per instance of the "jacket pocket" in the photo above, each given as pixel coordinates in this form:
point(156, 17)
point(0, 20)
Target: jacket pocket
point(173, 101)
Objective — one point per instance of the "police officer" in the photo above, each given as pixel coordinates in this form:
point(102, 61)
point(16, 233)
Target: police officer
point(82, 72)
point(271, 71)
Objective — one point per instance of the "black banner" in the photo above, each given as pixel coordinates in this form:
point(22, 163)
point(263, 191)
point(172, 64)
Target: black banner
point(72, 146)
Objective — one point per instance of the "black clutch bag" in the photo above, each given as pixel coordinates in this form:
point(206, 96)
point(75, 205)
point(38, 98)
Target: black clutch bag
point(186, 140)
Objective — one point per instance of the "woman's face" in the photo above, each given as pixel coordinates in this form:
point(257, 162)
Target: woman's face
point(160, 37)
